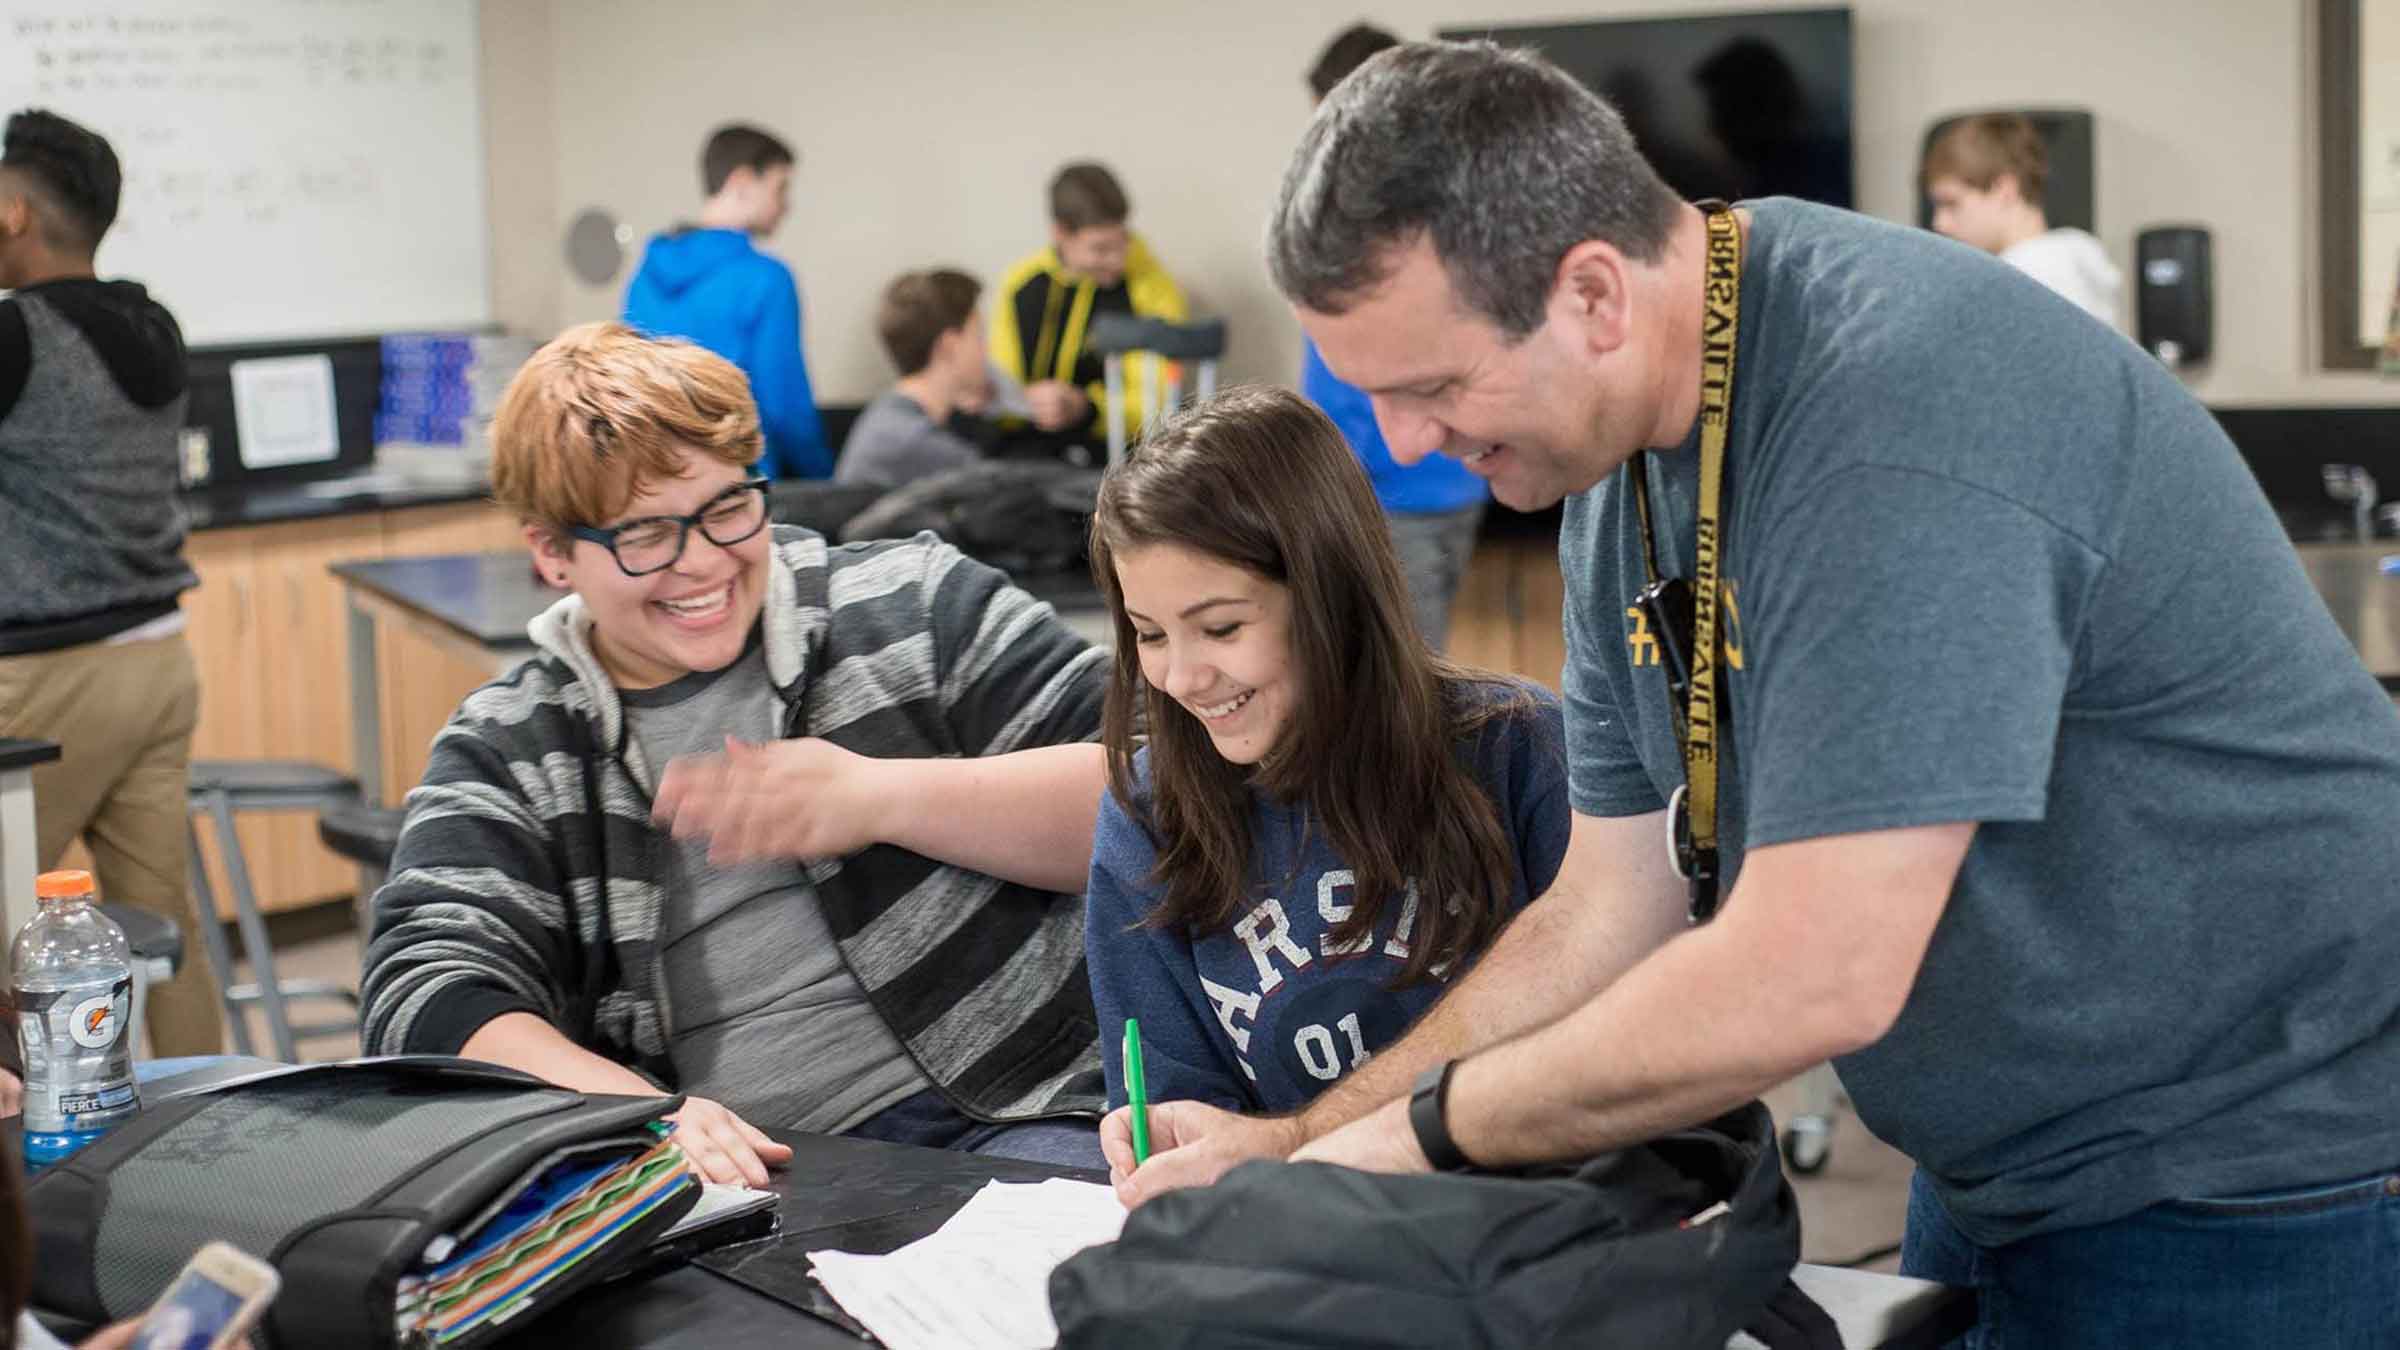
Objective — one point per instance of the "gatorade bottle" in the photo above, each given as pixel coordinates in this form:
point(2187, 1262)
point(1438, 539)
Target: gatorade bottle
point(74, 980)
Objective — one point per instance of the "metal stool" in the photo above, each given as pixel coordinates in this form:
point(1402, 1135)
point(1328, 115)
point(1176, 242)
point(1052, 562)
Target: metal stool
point(220, 789)
point(366, 835)
point(1118, 336)
point(157, 951)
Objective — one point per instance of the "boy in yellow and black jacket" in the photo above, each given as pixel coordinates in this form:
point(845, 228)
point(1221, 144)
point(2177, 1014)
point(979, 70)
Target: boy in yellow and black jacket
point(1046, 303)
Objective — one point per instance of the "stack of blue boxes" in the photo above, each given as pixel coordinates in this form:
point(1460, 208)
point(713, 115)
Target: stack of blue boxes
point(427, 398)
point(442, 388)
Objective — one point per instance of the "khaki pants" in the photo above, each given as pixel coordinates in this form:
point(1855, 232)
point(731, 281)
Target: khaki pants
point(123, 715)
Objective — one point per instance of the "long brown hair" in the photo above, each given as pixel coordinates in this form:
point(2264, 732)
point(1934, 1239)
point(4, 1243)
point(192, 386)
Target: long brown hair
point(1258, 478)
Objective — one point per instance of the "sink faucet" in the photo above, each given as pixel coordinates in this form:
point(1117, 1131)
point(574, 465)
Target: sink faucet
point(2353, 484)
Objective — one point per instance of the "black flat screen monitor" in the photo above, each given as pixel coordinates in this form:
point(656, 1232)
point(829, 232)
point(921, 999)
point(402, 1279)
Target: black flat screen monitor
point(1725, 105)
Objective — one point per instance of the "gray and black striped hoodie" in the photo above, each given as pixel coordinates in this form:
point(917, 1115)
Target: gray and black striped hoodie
point(529, 878)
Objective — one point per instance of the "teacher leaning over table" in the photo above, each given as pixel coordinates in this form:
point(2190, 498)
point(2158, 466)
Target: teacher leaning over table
point(2007, 756)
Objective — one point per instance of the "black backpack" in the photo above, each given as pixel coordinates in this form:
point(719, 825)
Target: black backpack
point(339, 1175)
point(1599, 1254)
point(1019, 516)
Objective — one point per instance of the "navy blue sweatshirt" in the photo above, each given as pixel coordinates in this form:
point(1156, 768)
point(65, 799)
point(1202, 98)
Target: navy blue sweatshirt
point(1266, 1014)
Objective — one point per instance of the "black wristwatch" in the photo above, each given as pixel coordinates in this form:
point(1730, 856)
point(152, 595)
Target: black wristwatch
point(1427, 1109)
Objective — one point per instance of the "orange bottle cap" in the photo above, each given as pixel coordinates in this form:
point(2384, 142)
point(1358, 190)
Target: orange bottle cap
point(71, 881)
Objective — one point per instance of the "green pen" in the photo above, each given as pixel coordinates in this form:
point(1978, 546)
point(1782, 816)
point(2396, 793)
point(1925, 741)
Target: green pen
point(1137, 1092)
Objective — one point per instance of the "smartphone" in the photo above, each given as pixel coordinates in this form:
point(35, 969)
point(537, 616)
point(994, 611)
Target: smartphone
point(213, 1303)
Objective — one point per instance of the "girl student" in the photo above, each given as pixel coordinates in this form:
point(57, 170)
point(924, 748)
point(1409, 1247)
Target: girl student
point(1326, 820)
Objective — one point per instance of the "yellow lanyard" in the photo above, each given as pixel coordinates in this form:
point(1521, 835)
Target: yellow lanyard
point(1046, 338)
point(1051, 344)
point(1696, 722)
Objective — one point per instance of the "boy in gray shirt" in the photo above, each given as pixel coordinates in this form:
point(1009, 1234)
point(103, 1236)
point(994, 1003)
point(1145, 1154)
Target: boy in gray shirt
point(92, 647)
point(912, 973)
point(928, 322)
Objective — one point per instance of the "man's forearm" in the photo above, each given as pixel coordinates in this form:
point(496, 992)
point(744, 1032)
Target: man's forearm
point(1814, 957)
point(1612, 905)
point(1515, 987)
point(1025, 817)
point(1683, 1044)
point(522, 1041)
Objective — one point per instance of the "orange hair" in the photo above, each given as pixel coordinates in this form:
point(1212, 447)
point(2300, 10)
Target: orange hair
point(602, 410)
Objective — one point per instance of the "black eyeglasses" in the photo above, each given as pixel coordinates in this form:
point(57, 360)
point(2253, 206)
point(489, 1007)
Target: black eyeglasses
point(655, 543)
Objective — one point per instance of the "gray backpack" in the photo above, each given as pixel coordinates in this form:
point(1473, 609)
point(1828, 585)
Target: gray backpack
point(1600, 1254)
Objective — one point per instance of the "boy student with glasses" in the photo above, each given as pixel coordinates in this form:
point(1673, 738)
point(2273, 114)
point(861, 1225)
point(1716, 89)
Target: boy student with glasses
point(794, 829)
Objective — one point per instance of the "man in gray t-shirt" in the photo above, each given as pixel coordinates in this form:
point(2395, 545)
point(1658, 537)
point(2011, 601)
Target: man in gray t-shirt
point(2056, 604)
point(930, 328)
point(2055, 808)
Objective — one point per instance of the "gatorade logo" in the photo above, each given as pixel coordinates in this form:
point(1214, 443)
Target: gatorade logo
point(97, 1020)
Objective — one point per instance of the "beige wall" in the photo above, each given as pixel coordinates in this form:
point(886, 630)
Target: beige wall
point(520, 97)
point(927, 131)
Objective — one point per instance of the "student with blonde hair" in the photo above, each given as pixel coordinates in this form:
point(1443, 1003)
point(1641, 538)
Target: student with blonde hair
point(792, 828)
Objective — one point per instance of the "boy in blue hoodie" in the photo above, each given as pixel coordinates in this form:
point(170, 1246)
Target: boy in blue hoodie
point(709, 282)
point(1435, 506)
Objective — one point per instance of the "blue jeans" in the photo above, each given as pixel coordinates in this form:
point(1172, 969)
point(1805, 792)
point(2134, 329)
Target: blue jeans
point(928, 1119)
point(2316, 1266)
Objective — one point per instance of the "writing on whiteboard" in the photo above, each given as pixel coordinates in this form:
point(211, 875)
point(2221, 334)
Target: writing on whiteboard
point(293, 168)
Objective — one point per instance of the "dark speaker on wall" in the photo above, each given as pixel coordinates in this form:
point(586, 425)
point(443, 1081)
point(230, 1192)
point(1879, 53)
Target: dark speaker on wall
point(2066, 142)
point(2174, 306)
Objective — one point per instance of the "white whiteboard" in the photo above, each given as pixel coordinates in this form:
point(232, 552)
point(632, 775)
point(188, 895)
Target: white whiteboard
point(2378, 169)
point(293, 168)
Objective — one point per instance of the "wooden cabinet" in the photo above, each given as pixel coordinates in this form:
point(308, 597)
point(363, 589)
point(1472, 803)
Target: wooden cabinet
point(221, 621)
point(1509, 614)
point(268, 628)
point(422, 683)
point(306, 669)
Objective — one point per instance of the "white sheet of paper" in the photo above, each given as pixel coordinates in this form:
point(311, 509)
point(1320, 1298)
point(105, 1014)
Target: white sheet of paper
point(283, 410)
point(982, 1282)
point(716, 1201)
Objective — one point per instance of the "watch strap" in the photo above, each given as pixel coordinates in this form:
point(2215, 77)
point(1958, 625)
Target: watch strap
point(1428, 1111)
